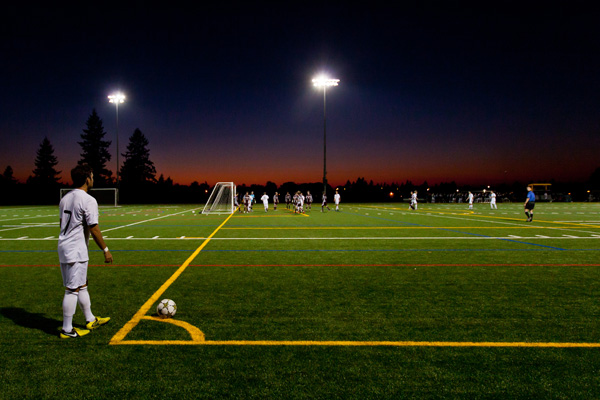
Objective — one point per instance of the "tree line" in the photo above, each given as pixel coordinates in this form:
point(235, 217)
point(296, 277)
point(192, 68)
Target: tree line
point(138, 182)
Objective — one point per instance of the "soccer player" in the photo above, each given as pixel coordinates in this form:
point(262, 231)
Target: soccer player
point(236, 203)
point(410, 206)
point(529, 204)
point(275, 200)
point(300, 203)
point(79, 219)
point(324, 202)
point(246, 199)
point(336, 200)
point(414, 200)
point(493, 200)
point(309, 200)
point(265, 200)
point(252, 200)
point(288, 200)
point(470, 201)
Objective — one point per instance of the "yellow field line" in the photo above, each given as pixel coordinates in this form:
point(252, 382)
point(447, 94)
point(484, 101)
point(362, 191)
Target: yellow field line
point(141, 313)
point(349, 343)
point(390, 227)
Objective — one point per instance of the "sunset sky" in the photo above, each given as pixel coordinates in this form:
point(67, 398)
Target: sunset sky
point(438, 92)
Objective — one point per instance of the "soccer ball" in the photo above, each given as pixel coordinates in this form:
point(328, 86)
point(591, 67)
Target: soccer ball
point(166, 308)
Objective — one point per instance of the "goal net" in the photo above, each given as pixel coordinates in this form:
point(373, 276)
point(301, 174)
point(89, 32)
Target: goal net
point(221, 200)
point(104, 196)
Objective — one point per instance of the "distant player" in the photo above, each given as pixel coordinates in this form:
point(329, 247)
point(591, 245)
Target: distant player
point(246, 199)
point(493, 200)
point(336, 200)
point(79, 219)
point(414, 200)
point(275, 201)
point(529, 204)
point(252, 200)
point(411, 205)
point(236, 203)
point(300, 203)
point(324, 203)
point(309, 200)
point(265, 200)
point(288, 200)
point(470, 201)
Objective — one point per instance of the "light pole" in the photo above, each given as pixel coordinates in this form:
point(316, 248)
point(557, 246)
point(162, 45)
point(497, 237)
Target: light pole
point(324, 82)
point(117, 98)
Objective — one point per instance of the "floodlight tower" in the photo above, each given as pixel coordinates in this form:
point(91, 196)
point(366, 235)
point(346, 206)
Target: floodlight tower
point(324, 82)
point(116, 99)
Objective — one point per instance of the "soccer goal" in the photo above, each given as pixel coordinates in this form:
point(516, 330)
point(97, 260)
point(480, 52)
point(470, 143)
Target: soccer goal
point(104, 196)
point(221, 200)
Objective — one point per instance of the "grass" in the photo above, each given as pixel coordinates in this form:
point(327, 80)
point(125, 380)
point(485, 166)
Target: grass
point(431, 284)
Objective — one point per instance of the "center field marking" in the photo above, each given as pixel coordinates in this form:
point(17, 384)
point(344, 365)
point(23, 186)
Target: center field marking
point(141, 313)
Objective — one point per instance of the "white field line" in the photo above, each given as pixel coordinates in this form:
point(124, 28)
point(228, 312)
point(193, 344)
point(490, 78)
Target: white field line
point(341, 238)
point(497, 222)
point(148, 220)
point(37, 216)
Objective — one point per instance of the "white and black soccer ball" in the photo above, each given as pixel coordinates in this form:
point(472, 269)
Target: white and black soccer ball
point(166, 308)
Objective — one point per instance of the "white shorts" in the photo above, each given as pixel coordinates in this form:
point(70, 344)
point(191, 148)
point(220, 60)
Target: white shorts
point(74, 274)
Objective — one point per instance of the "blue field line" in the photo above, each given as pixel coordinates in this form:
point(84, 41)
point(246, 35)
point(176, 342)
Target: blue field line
point(462, 232)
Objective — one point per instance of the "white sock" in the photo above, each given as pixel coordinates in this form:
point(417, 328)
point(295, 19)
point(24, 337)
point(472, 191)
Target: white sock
point(69, 306)
point(85, 303)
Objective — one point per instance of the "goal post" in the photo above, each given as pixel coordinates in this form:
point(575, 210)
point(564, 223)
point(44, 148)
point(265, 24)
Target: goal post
point(104, 196)
point(221, 200)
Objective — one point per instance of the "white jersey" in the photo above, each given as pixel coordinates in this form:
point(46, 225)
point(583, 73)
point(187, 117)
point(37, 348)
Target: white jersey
point(301, 200)
point(493, 197)
point(336, 198)
point(265, 199)
point(471, 198)
point(78, 212)
point(414, 198)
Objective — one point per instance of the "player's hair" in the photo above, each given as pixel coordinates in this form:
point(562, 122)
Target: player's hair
point(80, 173)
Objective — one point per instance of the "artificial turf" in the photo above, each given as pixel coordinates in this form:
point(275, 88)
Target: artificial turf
point(269, 282)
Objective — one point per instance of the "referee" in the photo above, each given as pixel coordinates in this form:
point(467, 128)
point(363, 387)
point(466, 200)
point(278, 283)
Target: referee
point(529, 204)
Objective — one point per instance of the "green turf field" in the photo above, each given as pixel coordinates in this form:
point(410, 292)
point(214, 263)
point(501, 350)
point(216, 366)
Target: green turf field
point(374, 301)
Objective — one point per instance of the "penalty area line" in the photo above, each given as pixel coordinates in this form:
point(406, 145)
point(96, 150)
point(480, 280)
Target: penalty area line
point(141, 313)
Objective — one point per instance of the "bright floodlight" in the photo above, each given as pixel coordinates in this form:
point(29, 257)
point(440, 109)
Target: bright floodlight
point(116, 98)
point(323, 81)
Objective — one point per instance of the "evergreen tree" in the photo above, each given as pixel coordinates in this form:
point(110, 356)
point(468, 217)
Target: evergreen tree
point(45, 161)
point(137, 168)
point(7, 177)
point(95, 150)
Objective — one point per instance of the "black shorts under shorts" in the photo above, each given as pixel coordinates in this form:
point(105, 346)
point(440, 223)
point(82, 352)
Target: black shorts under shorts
point(530, 205)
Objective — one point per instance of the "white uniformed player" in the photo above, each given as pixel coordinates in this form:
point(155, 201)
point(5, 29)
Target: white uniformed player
point(413, 200)
point(336, 200)
point(470, 201)
point(78, 219)
point(493, 200)
point(265, 200)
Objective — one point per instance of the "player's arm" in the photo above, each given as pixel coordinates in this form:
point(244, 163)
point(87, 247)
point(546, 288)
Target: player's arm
point(97, 235)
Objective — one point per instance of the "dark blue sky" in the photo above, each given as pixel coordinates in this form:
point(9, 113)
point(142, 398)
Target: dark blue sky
point(440, 91)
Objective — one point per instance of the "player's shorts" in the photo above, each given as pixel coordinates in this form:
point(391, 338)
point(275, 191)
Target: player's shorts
point(74, 274)
point(324, 204)
point(530, 205)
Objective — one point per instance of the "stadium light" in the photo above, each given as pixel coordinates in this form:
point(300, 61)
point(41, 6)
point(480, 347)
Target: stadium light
point(117, 98)
point(324, 82)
